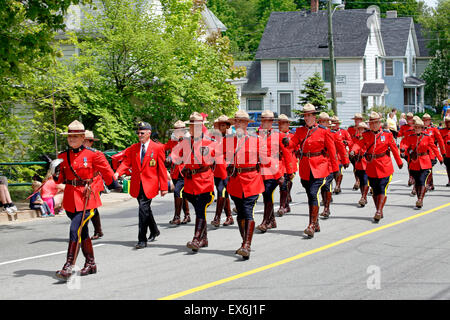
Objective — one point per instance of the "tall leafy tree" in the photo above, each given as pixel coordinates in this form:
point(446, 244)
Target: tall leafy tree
point(314, 92)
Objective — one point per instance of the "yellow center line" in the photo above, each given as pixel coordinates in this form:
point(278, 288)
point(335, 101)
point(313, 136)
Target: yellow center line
point(298, 256)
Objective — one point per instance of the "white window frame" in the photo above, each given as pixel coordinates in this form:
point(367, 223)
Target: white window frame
point(288, 71)
point(385, 68)
point(291, 93)
point(258, 99)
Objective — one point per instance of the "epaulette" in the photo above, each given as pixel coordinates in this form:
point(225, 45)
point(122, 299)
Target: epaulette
point(333, 131)
point(91, 149)
point(386, 130)
point(427, 134)
point(322, 127)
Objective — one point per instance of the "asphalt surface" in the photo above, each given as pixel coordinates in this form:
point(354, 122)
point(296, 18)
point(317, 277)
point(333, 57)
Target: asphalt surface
point(351, 258)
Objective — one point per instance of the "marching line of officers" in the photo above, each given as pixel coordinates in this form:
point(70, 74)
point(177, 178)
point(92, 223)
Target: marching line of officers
point(244, 164)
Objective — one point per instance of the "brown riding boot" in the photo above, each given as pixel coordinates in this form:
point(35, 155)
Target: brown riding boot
point(89, 266)
point(430, 184)
point(187, 217)
point(414, 191)
point(364, 191)
point(420, 195)
point(219, 207)
point(272, 222)
point(229, 220)
point(289, 199)
point(313, 221)
point(357, 183)
point(326, 204)
point(97, 227)
point(410, 181)
point(244, 251)
point(176, 217)
point(241, 226)
point(66, 271)
point(268, 207)
point(381, 200)
point(283, 203)
point(199, 236)
point(337, 189)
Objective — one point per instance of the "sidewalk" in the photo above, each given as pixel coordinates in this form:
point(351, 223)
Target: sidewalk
point(25, 214)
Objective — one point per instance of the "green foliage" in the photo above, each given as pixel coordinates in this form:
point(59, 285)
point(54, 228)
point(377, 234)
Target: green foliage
point(403, 7)
point(314, 92)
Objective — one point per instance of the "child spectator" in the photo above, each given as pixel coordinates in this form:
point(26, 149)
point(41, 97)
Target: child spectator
point(49, 192)
point(36, 202)
point(5, 197)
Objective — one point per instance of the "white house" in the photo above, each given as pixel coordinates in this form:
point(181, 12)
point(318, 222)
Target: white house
point(295, 45)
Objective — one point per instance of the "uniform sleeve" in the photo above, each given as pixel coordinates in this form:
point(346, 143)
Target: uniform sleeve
point(435, 150)
point(340, 148)
point(394, 149)
point(295, 140)
point(440, 141)
point(126, 162)
point(162, 171)
point(329, 144)
point(102, 165)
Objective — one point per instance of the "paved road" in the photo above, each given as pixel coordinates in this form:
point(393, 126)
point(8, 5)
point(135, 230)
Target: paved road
point(351, 258)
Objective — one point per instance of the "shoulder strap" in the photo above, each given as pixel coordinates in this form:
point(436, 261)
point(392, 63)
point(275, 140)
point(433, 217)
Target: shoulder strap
point(70, 165)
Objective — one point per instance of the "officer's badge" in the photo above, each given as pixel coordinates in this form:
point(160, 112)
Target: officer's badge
point(204, 151)
point(85, 164)
point(152, 163)
point(383, 138)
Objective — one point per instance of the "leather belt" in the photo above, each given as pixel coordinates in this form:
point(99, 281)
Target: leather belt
point(77, 182)
point(313, 154)
point(245, 169)
point(422, 154)
point(370, 156)
point(189, 172)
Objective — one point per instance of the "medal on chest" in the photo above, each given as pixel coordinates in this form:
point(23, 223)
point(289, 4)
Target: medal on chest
point(85, 163)
point(152, 162)
point(382, 138)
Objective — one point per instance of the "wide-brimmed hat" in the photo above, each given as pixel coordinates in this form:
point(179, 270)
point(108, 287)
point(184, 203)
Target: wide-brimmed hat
point(179, 125)
point(241, 115)
point(196, 118)
point(409, 115)
point(75, 128)
point(308, 108)
point(335, 119)
point(363, 124)
point(283, 117)
point(357, 116)
point(419, 123)
point(324, 116)
point(267, 115)
point(89, 135)
point(426, 116)
point(223, 119)
point(374, 116)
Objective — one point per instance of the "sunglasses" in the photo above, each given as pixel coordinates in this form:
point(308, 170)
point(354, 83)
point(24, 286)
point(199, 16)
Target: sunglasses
point(141, 133)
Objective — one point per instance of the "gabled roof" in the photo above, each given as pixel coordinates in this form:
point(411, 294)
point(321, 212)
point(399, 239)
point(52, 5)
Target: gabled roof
point(301, 34)
point(373, 89)
point(253, 85)
point(423, 49)
point(395, 34)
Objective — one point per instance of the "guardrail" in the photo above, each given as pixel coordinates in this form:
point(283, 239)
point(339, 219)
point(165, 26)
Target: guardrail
point(22, 163)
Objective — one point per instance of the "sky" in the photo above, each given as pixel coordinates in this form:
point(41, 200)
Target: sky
point(431, 3)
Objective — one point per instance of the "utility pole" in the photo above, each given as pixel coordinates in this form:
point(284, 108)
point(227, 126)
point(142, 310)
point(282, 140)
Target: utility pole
point(331, 49)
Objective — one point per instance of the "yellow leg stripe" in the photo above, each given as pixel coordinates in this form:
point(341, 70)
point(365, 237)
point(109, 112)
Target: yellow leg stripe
point(387, 185)
point(223, 192)
point(318, 192)
point(181, 192)
point(426, 180)
point(209, 203)
point(91, 214)
point(254, 206)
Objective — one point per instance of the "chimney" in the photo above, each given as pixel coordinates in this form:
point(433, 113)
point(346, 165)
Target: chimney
point(391, 14)
point(314, 6)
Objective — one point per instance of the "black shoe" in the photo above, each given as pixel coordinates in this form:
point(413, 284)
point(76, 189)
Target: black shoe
point(153, 236)
point(141, 245)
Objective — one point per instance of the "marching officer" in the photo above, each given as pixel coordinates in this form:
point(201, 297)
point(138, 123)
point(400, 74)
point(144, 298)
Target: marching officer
point(354, 133)
point(326, 191)
point(361, 164)
point(77, 169)
point(148, 177)
point(315, 143)
point(377, 145)
point(197, 153)
point(445, 133)
point(348, 142)
point(221, 178)
point(290, 165)
point(272, 169)
point(180, 202)
point(433, 131)
point(241, 152)
point(97, 186)
point(419, 146)
point(405, 131)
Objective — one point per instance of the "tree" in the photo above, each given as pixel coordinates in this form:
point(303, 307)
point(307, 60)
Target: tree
point(403, 7)
point(314, 92)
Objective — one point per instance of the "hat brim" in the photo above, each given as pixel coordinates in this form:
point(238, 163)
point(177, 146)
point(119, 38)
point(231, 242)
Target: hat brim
point(93, 139)
point(309, 112)
point(233, 120)
point(72, 133)
point(196, 122)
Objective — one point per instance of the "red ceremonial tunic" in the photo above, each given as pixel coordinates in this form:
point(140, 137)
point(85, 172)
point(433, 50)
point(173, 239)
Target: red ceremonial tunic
point(85, 163)
point(289, 159)
point(195, 154)
point(437, 139)
point(340, 147)
point(152, 173)
point(405, 130)
point(270, 147)
point(354, 134)
point(314, 140)
point(378, 144)
point(242, 152)
point(423, 145)
point(175, 169)
point(445, 134)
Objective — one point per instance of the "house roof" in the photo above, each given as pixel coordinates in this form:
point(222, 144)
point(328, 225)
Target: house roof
point(423, 50)
point(253, 85)
point(395, 34)
point(373, 89)
point(301, 34)
point(211, 21)
point(414, 82)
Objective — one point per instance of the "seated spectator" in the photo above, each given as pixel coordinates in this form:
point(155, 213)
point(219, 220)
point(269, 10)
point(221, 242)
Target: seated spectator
point(5, 197)
point(52, 193)
point(36, 202)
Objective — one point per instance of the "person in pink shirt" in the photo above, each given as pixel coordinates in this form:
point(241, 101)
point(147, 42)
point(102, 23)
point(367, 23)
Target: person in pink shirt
point(49, 192)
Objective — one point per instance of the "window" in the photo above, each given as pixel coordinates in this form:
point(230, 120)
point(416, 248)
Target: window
point(254, 104)
point(364, 70)
point(389, 68)
point(283, 71)
point(414, 65)
point(285, 103)
point(376, 68)
point(409, 96)
point(365, 104)
point(327, 70)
